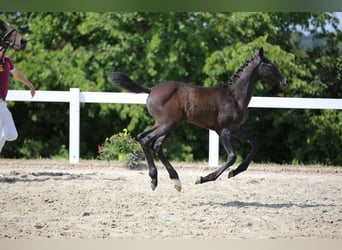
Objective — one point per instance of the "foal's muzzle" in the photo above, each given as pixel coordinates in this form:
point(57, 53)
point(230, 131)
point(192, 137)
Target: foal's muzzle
point(20, 45)
point(23, 43)
point(284, 82)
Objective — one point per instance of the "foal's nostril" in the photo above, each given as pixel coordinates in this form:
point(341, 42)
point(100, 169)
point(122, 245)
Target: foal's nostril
point(23, 42)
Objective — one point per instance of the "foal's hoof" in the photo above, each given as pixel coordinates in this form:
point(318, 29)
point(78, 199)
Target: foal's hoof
point(178, 185)
point(178, 188)
point(231, 174)
point(199, 180)
point(153, 186)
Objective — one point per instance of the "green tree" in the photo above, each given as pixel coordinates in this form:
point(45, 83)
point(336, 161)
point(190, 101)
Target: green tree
point(81, 49)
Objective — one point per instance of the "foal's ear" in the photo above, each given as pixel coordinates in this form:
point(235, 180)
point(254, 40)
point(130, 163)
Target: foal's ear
point(261, 52)
point(2, 24)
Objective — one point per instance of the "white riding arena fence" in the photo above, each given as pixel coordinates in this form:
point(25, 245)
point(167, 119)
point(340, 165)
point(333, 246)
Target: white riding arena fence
point(75, 96)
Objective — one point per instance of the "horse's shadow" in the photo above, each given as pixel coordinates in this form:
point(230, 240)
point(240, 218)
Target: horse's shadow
point(51, 176)
point(242, 204)
point(41, 177)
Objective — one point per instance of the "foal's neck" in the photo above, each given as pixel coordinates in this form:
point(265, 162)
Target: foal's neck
point(243, 87)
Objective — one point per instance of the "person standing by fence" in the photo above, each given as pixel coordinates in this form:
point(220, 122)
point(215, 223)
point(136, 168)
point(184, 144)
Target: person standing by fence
point(8, 131)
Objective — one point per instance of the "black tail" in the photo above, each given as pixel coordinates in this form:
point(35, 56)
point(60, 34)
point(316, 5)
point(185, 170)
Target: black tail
point(122, 80)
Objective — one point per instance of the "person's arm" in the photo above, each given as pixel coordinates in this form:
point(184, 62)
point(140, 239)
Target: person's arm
point(21, 78)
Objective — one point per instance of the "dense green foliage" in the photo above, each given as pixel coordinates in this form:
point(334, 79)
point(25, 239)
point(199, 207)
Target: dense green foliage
point(80, 50)
point(121, 146)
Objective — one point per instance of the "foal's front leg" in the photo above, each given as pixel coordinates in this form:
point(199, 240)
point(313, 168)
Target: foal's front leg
point(225, 136)
point(243, 135)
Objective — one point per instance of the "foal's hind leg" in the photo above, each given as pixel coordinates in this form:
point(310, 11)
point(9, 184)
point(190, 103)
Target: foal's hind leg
point(158, 144)
point(147, 140)
point(225, 137)
point(145, 144)
point(143, 134)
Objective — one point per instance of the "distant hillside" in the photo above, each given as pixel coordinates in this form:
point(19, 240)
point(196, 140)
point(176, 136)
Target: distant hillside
point(308, 42)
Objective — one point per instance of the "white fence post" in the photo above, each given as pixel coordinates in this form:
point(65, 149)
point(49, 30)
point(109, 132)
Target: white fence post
point(74, 126)
point(213, 149)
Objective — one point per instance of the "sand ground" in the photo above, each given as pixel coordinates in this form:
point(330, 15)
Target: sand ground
point(45, 199)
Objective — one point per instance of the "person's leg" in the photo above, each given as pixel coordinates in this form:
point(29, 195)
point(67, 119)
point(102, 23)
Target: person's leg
point(8, 131)
point(2, 127)
point(2, 132)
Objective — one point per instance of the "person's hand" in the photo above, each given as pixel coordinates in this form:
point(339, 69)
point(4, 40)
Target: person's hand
point(33, 91)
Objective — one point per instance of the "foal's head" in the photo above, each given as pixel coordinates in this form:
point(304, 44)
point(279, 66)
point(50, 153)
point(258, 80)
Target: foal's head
point(10, 38)
point(267, 71)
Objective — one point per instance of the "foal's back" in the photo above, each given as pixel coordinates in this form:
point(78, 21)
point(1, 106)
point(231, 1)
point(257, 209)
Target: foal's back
point(170, 102)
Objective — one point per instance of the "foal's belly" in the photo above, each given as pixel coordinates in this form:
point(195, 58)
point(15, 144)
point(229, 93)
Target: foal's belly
point(204, 122)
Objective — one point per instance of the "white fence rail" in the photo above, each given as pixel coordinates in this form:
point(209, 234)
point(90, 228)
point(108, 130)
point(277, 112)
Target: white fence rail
point(74, 97)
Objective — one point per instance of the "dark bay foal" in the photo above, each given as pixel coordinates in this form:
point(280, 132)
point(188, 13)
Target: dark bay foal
point(221, 108)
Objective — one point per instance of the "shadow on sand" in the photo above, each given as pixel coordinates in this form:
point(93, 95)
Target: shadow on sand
point(241, 204)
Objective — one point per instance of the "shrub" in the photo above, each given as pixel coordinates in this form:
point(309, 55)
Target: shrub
point(123, 147)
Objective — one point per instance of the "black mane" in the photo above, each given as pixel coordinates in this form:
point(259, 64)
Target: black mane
point(236, 75)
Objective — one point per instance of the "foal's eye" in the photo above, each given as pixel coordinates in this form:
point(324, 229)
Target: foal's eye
point(268, 65)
